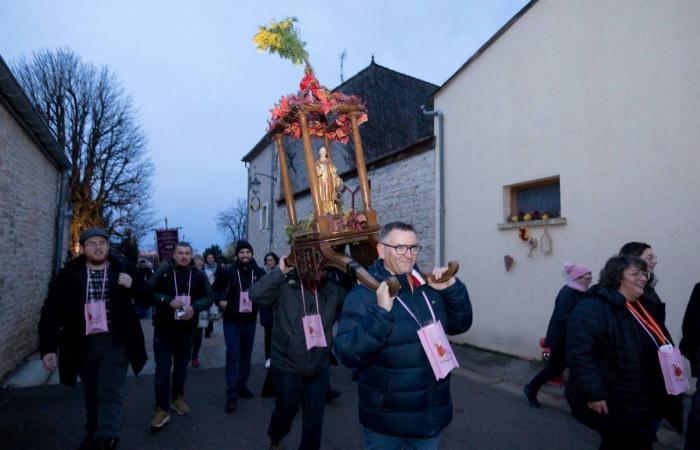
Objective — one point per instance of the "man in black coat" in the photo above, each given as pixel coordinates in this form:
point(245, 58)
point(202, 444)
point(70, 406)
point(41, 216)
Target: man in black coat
point(181, 292)
point(231, 288)
point(89, 328)
point(299, 361)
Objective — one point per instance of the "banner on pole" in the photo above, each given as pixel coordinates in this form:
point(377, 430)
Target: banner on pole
point(167, 239)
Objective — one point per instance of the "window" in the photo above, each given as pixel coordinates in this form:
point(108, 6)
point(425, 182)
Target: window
point(264, 217)
point(534, 200)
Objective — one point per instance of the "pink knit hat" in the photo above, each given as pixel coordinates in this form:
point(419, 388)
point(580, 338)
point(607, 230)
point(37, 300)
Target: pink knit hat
point(573, 272)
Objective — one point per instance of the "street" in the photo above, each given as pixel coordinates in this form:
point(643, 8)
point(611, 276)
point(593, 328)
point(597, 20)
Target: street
point(485, 416)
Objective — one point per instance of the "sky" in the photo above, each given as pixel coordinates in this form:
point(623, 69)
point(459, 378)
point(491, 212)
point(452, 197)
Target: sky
point(203, 92)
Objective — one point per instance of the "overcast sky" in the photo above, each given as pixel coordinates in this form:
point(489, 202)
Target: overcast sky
point(203, 92)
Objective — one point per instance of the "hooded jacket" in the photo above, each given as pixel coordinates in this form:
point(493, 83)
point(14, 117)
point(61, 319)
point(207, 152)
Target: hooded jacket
point(288, 308)
point(226, 287)
point(611, 358)
point(399, 395)
point(62, 321)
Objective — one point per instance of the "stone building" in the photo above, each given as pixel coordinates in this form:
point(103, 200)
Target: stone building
point(33, 223)
point(589, 110)
point(399, 144)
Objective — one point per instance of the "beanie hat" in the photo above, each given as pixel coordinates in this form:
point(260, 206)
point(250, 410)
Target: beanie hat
point(92, 232)
point(241, 244)
point(573, 272)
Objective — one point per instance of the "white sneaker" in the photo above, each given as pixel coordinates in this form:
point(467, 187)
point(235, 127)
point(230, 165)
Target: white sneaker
point(267, 363)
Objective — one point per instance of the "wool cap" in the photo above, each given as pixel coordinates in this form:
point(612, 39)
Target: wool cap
point(574, 271)
point(92, 232)
point(241, 244)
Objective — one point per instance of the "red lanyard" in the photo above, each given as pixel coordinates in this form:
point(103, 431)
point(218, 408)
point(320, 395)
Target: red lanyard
point(646, 321)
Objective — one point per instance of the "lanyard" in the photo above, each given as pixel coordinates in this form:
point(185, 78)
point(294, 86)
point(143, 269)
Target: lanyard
point(240, 283)
point(303, 299)
point(411, 312)
point(189, 283)
point(647, 322)
point(87, 288)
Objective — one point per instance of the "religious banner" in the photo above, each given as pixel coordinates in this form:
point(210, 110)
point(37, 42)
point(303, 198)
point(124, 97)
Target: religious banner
point(167, 239)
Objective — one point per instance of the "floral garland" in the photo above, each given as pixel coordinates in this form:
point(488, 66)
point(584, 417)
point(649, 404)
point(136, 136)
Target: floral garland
point(324, 123)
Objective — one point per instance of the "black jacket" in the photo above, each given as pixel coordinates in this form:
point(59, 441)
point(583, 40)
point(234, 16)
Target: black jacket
point(690, 343)
point(399, 395)
point(611, 358)
point(566, 301)
point(163, 284)
point(226, 287)
point(62, 322)
point(288, 342)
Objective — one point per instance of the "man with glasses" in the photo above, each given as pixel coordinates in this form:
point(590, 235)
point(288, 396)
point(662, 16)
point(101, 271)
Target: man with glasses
point(402, 401)
point(88, 328)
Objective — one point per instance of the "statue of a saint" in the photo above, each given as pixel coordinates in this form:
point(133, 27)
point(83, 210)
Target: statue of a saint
point(328, 183)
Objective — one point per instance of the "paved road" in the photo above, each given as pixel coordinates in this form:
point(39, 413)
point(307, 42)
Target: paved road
point(51, 417)
point(488, 415)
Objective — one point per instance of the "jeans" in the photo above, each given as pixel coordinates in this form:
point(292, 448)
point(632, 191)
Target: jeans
point(378, 441)
point(196, 342)
point(268, 340)
point(555, 367)
point(239, 339)
point(102, 371)
point(170, 349)
point(291, 391)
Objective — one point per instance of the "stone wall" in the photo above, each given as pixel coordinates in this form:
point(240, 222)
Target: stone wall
point(29, 185)
point(404, 190)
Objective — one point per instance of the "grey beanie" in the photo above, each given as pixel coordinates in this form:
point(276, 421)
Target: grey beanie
point(92, 232)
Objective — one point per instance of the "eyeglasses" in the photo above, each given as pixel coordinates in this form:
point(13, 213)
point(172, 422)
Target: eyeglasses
point(93, 244)
point(644, 275)
point(402, 249)
point(651, 258)
point(587, 277)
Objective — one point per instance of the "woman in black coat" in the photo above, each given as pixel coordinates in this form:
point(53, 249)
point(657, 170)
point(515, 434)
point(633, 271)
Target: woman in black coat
point(578, 279)
point(615, 384)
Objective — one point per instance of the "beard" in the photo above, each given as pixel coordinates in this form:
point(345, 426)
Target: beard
point(97, 260)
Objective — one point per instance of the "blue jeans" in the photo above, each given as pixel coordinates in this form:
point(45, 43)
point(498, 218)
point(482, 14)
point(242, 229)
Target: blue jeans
point(102, 371)
point(239, 339)
point(294, 390)
point(378, 441)
point(170, 349)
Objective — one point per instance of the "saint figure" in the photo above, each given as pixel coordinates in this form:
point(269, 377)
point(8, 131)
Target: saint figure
point(328, 183)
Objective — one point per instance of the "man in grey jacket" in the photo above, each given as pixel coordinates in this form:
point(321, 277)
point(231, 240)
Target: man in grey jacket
point(302, 340)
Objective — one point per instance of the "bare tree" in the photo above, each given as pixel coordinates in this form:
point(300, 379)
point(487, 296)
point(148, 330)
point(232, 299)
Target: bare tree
point(234, 221)
point(95, 122)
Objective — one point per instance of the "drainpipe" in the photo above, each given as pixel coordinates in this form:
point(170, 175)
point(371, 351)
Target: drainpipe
point(61, 216)
point(247, 201)
point(441, 182)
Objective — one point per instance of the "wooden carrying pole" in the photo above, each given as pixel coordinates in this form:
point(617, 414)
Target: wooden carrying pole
point(360, 163)
point(286, 183)
point(310, 166)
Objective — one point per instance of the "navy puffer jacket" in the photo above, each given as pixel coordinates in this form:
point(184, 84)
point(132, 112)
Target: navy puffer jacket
point(611, 358)
point(566, 301)
point(399, 395)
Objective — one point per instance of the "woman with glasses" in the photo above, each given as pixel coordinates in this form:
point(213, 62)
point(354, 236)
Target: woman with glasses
point(673, 404)
point(615, 385)
point(578, 278)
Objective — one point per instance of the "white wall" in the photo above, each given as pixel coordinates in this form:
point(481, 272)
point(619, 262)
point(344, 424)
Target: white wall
point(607, 96)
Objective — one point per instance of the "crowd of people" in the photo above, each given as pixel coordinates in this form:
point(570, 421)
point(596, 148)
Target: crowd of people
point(612, 337)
